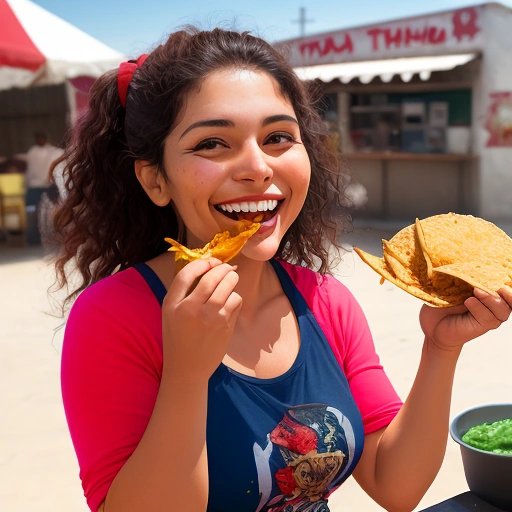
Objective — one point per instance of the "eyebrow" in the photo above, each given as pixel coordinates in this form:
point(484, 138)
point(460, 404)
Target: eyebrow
point(279, 117)
point(227, 123)
point(207, 122)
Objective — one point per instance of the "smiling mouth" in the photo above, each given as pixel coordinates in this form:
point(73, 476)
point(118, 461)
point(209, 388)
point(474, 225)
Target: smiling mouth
point(250, 209)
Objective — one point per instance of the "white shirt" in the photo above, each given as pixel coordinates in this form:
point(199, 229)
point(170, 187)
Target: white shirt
point(58, 178)
point(39, 159)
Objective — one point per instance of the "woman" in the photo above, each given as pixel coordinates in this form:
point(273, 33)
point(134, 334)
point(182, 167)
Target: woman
point(252, 386)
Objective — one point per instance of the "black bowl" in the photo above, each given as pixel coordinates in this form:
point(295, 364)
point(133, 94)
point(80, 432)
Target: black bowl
point(489, 475)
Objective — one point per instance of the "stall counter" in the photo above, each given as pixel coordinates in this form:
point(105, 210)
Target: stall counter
point(409, 185)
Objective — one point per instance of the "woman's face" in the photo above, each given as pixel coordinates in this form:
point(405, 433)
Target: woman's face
point(236, 152)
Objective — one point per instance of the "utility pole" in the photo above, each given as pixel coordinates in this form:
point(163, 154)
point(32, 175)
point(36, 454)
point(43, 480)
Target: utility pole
point(302, 21)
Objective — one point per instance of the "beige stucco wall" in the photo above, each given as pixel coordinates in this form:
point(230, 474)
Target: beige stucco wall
point(409, 189)
point(495, 181)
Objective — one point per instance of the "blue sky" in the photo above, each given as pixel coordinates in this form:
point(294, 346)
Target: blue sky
point(133, 27)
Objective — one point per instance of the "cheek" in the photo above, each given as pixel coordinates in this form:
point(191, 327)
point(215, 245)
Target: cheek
point(198, 178)
point(300, 168)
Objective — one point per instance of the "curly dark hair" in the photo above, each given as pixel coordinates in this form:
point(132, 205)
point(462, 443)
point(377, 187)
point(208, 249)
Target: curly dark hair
point(106, 220)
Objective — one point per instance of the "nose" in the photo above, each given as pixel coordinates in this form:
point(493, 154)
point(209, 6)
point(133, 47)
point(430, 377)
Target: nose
point(253, 164)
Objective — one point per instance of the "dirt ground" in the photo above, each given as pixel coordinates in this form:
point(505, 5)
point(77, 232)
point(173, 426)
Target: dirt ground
point(38, 469)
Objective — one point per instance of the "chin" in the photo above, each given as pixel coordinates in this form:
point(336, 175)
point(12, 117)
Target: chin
point(262, 252)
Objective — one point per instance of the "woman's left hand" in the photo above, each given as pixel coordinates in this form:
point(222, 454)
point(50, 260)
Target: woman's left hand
point(450, 328)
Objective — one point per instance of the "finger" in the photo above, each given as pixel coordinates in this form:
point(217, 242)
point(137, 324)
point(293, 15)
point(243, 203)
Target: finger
point(210, 281)
point(498, 305)
point(481, 315)
point(230, 310)
point(224, 289)
point(186, 279)
point(232, 306)
point(506, 293)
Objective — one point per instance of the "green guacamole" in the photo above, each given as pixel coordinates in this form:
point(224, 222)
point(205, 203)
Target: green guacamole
point(492, 437)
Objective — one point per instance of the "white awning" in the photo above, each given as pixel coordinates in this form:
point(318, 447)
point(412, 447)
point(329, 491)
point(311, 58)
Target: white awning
point(367, 70)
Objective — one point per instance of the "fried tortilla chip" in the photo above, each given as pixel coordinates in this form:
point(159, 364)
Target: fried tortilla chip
point(452, 237)
point(442, 258)
point(400, 269)
point(478, 252)
point(424, 291)
point(224, 246)
point(485, 275)
point(380, 266)
point(439, 281)
point(420, 236)
point(404, 256)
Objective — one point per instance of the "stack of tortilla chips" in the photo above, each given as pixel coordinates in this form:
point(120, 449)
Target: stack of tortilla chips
point(441, 259)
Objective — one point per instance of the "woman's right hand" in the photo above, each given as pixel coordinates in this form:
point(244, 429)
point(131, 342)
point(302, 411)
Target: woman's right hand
point(199, 314)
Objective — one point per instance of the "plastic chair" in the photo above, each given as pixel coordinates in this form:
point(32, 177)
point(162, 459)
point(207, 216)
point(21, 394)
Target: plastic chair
point(12, 201)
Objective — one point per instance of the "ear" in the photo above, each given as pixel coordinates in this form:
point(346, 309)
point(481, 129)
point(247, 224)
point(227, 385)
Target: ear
point(153, 182)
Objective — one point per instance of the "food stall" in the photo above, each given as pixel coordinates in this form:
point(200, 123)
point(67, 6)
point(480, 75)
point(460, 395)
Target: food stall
point(422, 107)
point(47, 67)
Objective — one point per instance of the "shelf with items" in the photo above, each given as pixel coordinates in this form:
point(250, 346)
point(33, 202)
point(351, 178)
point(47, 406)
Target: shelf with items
point(410, 122)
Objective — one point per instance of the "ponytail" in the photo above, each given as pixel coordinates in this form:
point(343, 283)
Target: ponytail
point(106, 221)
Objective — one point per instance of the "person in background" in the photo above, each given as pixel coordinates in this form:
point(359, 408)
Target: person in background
point(248, 386)
point(39, 160)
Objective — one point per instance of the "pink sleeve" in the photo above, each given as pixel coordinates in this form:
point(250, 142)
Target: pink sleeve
point(111, 364)
point(343, 322)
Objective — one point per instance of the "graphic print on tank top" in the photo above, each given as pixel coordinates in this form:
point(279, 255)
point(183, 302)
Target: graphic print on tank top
point(316, 443)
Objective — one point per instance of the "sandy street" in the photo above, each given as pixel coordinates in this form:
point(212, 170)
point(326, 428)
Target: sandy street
point(38, 470)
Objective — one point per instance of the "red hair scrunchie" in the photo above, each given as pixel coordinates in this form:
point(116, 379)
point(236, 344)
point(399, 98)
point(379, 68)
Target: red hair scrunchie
point(125, 75)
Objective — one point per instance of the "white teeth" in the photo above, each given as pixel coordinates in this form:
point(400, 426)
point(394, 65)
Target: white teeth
point(249, 206)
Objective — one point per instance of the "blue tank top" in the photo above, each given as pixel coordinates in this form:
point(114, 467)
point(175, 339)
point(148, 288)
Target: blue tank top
point(281, 444)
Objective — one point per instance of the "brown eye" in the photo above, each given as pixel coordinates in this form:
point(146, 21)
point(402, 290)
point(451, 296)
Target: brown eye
point(209, 144)
point(280, 138)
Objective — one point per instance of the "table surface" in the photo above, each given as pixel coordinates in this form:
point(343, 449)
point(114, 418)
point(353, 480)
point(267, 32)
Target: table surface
point(465, 502)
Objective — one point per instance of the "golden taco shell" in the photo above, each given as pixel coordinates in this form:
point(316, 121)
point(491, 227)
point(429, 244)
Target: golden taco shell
point(442, 258)
point(452, 237)
point(427, 293)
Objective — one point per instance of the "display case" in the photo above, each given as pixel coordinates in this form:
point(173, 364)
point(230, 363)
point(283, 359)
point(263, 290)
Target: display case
point(412, 123)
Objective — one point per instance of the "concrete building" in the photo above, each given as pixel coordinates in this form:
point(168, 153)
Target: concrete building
point(423, 109)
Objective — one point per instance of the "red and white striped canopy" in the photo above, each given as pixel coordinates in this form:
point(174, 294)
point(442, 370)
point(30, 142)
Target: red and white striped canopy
point(37, 47)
